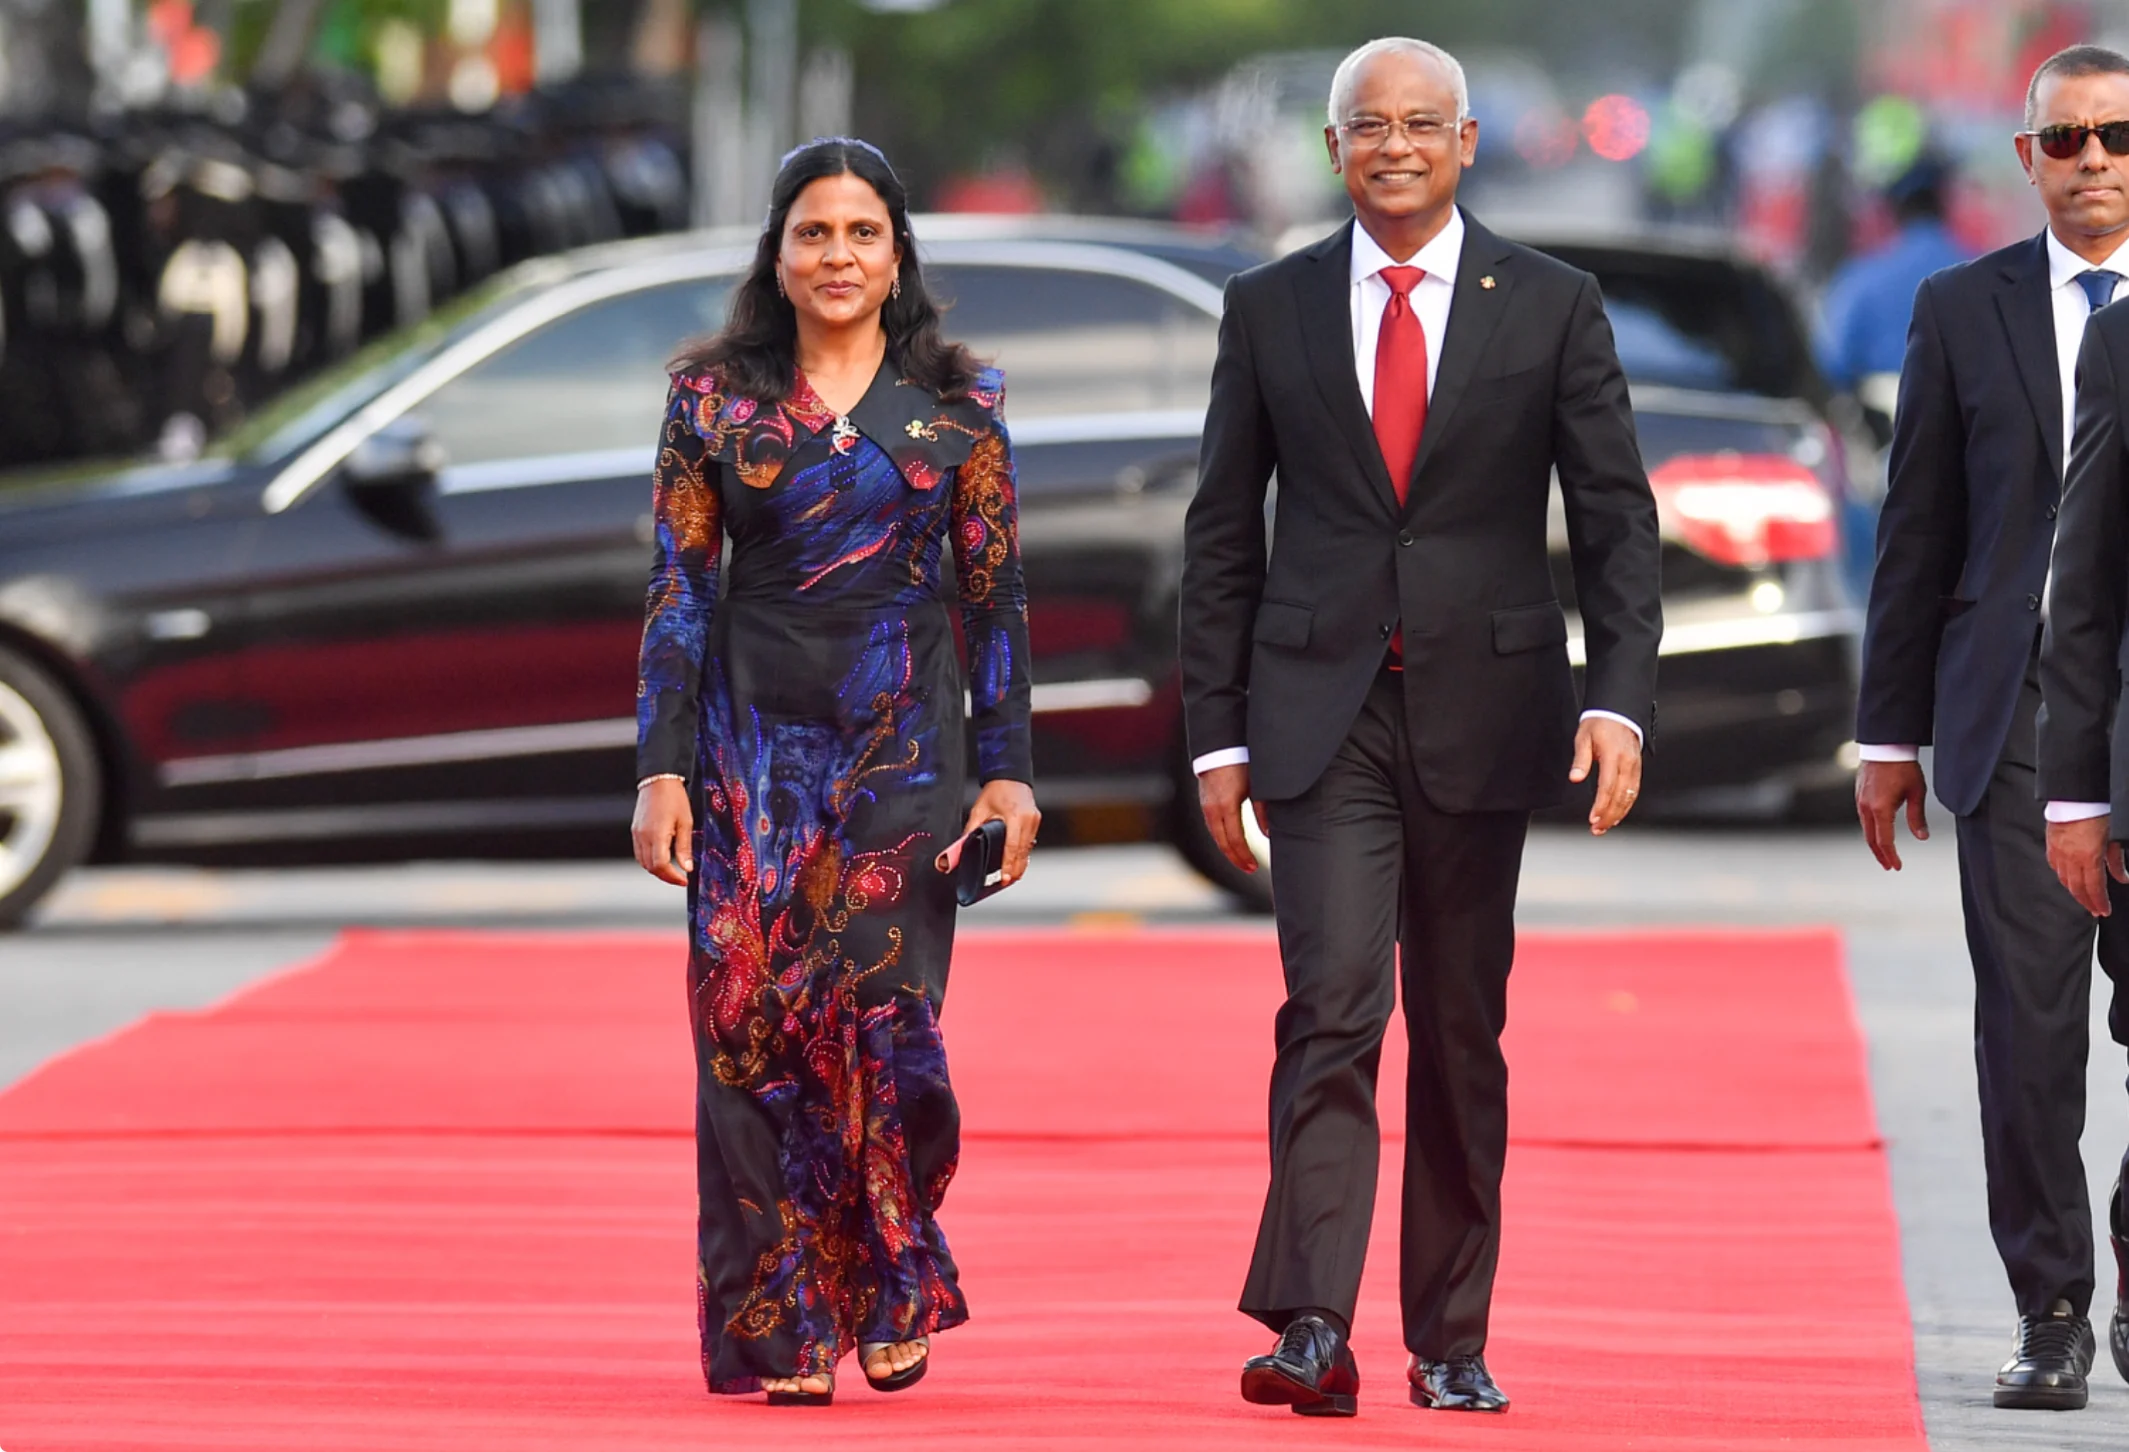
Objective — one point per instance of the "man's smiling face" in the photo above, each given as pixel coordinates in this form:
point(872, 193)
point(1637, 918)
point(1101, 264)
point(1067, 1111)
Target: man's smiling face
point(1412, 168)
point(2086, 195)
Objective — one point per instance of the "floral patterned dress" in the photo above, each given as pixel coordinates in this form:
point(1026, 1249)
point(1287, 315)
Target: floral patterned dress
point(817, 710)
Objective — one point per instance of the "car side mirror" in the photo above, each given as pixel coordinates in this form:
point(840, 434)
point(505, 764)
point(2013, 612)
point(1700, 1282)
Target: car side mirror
point(391, 477)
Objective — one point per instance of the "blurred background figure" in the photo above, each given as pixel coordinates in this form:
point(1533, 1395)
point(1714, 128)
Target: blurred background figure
point(1868, 301)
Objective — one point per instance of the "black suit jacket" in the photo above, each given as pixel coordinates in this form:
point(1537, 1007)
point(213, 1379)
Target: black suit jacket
point(1976, 474)
point(2084, 755)
point(1278, 655)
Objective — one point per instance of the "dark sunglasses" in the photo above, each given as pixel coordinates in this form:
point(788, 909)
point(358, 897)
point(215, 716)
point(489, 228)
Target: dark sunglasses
point(2064, 142)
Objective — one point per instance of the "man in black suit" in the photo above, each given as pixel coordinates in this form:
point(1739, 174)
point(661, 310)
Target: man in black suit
point(1950, 657)
point(1392, 691)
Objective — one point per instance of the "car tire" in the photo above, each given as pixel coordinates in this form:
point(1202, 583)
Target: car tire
point(1250, 890)
point(51, 786)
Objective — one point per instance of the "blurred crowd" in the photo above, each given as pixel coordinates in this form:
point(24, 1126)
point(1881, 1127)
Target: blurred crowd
point(161, 270)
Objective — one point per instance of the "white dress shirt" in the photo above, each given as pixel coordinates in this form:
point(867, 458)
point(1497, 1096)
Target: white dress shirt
point(2070, 308)
point(1370, 298)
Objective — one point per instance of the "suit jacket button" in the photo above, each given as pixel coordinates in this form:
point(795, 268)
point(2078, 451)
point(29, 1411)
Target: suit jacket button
point(1385, 631)
point(2032, 602)
point(2051, 511)
point(1404, 536)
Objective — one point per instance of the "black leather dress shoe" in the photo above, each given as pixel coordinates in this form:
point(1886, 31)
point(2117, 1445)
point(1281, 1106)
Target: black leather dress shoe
point(1311, 1370)
point(2047, 1369)
point(1458, 1384)
point(2118, 1325)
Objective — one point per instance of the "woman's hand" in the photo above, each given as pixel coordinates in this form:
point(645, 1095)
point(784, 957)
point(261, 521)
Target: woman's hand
point(1011, 802)
point(664, 830)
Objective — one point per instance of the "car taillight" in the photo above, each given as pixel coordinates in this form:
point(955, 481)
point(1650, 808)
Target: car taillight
point(1745, 509)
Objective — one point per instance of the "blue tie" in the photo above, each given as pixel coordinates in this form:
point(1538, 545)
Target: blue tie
point(2099, 285)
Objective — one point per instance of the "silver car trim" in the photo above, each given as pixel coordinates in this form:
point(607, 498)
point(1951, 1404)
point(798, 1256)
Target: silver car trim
point(309, 824)
point(450, 746)
point(537, 470)
point(509, 741)
point(301, 824)
point(1096, 428)
point(1743, 407)
point(313, 464)
point(1079, 257)
point(1097, 695)
point(1742, 632)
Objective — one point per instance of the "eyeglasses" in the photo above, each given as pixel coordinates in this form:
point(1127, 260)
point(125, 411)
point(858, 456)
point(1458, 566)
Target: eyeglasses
point(2064, 142)
point(1372, 131)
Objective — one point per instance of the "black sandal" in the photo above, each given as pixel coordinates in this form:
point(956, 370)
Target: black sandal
point(902, 1380)
point(804, 1398)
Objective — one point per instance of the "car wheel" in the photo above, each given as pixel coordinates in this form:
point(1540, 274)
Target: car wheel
point(50, 786)
point(1250, 890)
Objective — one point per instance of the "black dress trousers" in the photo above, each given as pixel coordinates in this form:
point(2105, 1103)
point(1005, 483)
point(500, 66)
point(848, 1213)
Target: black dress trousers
point(1363, 866)
point(2032, 949)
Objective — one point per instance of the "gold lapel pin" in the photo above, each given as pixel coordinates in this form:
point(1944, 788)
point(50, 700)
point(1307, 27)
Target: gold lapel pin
point(1486, 282)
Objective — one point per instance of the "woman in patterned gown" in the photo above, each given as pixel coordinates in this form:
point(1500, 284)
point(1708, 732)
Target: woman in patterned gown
point(803, 752)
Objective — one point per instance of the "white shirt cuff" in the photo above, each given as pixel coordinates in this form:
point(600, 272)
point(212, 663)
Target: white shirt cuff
point(2077, 811)
point(1632, 725)
point(1866, 752)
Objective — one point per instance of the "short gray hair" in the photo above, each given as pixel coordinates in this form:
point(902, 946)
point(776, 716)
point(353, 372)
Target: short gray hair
point(2077, 60)
point(1349, 69)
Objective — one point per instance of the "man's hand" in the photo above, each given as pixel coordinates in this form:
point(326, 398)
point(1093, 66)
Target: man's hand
point(1616, 750)
point(2083, 858)
point(1221, 793)
point(1881, 787)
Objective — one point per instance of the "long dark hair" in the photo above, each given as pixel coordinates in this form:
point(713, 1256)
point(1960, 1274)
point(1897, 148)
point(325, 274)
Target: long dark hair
point(756, 355)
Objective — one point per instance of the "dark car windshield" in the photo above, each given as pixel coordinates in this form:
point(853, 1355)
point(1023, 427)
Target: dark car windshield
point(1698, 322)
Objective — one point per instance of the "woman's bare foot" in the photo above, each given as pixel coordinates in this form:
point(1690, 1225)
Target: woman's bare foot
point(894, 1357)
point(812, 1386)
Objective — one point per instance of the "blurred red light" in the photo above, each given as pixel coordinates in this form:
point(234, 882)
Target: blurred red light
point(1617, 127)
point(1745, 509)
point(1546, 138)
point(169, 19)
point(194, 55)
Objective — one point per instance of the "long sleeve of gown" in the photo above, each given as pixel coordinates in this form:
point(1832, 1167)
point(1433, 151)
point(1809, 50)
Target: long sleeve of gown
point(683, 593)
point(994, 606)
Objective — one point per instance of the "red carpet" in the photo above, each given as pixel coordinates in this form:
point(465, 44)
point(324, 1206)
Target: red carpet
point(434, 1193)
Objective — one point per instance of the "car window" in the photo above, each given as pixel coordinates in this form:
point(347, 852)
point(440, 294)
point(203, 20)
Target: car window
point(1653, 349)
point(591, 381)
point(1080, 342)
point(298, 416)
point(1698, 322)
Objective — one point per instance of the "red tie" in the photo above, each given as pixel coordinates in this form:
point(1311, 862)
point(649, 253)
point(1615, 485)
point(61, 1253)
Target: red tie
point(1400, 394)
point(1400, 378)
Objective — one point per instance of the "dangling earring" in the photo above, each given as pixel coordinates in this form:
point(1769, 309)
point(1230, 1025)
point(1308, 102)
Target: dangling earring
point(780, 288)
point(896, 290)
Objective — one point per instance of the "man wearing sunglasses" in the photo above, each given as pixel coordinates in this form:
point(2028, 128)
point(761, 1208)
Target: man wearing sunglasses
point(1951, 656)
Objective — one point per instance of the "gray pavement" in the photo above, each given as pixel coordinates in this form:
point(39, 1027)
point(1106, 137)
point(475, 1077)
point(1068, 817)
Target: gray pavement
point(116, 943)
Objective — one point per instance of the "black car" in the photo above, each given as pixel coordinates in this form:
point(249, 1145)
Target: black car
point(397, 614)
